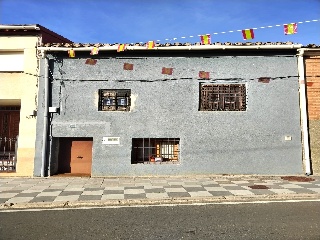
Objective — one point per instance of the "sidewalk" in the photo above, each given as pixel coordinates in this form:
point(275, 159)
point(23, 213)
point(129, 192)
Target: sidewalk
point(82, 191)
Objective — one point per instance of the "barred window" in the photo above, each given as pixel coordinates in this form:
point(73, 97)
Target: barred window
point(155, 150)
point(222, 97)
point(114, 99)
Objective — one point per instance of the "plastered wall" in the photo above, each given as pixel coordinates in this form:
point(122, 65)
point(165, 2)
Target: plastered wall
point(249, 142)
point(21, 88)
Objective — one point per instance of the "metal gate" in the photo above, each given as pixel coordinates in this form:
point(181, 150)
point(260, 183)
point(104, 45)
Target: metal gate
point(9, 131)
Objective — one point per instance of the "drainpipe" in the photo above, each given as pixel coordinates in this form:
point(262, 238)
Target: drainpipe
point(303, 112)
point(45, 118)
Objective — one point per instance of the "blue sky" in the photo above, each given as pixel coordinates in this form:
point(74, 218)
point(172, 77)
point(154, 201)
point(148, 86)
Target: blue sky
point(132, 21)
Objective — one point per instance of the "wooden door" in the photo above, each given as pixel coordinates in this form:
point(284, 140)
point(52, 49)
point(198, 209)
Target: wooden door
point(81, 156)
point(75, 156)
point(9, 127)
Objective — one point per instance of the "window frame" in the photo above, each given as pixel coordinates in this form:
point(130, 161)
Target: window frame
point(155, 150)
point(12, 61)
point(114, 100)
point(222, 97)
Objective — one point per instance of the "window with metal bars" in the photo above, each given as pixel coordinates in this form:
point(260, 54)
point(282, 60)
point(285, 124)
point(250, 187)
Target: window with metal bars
point(114, 99)
point(222, 97)
point(155, 150)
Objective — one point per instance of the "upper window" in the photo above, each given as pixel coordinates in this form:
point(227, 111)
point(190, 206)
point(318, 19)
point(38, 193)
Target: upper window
point(114, 99)
point(12, 61)
point(222, 97)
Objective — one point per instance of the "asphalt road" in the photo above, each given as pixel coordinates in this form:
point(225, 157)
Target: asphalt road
point(295, 220)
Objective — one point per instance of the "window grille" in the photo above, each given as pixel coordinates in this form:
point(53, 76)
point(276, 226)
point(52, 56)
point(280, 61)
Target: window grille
point(155, 150)
point(114, 99)
point(222, 97)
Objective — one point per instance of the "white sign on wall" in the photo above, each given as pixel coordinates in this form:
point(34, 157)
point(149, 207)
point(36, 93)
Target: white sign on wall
point(111, 140)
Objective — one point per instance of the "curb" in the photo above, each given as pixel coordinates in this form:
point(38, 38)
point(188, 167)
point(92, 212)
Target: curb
point(155, 202)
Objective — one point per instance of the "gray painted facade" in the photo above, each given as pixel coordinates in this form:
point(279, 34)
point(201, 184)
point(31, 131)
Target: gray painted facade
point(211, 142)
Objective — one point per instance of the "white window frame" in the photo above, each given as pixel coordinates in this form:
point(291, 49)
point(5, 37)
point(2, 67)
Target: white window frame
point(12, 61)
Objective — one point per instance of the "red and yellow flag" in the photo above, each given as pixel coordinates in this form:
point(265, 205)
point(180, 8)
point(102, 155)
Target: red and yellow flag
point(121, 47)
point(248, 34)
point(205, 39)
point(71, 53)
point(290, 28)
point(150, 45)
point(94, 51)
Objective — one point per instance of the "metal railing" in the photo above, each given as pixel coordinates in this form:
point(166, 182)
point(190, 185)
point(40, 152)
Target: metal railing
point(8, 153)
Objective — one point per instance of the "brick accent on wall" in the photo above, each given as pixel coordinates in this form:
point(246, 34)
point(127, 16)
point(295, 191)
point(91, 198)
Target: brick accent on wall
point(312, 64)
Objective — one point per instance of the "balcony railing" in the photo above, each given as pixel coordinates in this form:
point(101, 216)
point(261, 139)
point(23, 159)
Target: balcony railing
point(8, 154)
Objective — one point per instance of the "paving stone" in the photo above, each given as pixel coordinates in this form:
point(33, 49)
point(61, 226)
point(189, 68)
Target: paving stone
point(228, 185)
point(105, 192)
point(178, 194)
point(220, 193)
point(12, 191)
point(262, 192)
point(114, 188)
point(317, 190)
point(134, 187)
point(99, 192)
point(135, 196)
point(234, 188)
point(34, 194)
point(112, 196)
point(194, 189)
point(290, 186)
point(241, 192)
point(157, 195)
point(216, 189)
point(200, 194)
point(175, 190)
point(71, 189)
point(303, 191)
point(66, 198)
point(93, 189)
point(43, 199)
point(134, 191)
point(89, 197)
point(240, 182)
point(3, 200)
point(281, 191)
point(52, 190)
point(155, 190)
point(8, 195)
point(68, 193)
point(56, 193)
point(5, 188)
point(19, 200)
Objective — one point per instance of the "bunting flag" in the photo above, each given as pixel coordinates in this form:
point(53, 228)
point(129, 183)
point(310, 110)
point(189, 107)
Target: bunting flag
point(121, 47)
point(167, 71)
point(248, 34)
point(71, 53)
point(150, 45)
point(91, 61)
point(290, 28)
point(205, 39)
point(204, 75)
point(128, 66)
point(94, 51)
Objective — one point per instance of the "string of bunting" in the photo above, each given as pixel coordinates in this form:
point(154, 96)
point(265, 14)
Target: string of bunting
point(289, 28)
point(205, 39)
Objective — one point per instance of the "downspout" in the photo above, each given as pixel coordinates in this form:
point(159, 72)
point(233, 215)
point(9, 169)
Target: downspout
point(45, 118)
point(303, 112)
